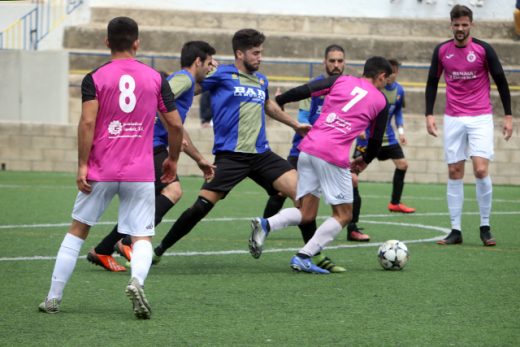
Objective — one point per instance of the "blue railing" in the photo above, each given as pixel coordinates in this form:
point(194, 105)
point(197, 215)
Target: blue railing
point(28, 31)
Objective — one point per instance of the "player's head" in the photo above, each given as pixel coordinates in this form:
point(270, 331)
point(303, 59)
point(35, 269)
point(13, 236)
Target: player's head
point(461, 22)
point(122, 34)
point(199, 55)
point(334, 60)
point(247, 47)
point(377, 69)
point(395, 70)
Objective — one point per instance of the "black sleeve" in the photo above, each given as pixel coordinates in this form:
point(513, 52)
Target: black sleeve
point(496, 71)
point(433, 82)
point(376, 135)
point(305, 91)
point(167, 95)
point(88, 88)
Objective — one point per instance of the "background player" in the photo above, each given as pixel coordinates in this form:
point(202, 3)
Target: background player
point(468, 119)
point(391, 149)
point(196, 62)
point(352, 104)
point(115, 131)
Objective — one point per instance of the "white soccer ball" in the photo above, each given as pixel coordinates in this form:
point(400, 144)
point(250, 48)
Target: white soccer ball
point(393, 255)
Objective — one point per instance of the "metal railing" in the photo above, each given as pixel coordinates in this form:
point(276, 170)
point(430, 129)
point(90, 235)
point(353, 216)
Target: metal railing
point(27, 31)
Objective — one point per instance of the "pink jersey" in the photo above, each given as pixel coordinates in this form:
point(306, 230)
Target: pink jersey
point(129, 94)
point(352, 104)
point(467, 78)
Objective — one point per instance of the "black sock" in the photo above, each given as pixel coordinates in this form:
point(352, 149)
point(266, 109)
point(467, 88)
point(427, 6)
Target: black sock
point(356, 206)
point(127, 240)
point(397, 187)
point(352, 226)
point(273, 205)
point(106, 246)
point(187, 220)
point(307, 230)
point(303, 256)
point(162, 206)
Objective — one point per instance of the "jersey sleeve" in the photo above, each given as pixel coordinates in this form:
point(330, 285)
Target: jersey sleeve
point(399, 120)
point(179, 84)
point(166, 99)
point(314, 88)
point(497, 72)
point(377, 130)
point(212, 80)
point(88, 88)
point(432, 84)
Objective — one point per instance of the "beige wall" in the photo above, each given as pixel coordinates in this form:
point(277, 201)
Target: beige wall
point(37, 147)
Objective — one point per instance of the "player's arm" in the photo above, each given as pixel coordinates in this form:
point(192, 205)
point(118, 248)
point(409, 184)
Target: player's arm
point(431, 91)
point(191, 150)
point(496, 71)
point(86, 127)
point(398, 116)
point(306, 90)
point(180, 84)
point(273, 110)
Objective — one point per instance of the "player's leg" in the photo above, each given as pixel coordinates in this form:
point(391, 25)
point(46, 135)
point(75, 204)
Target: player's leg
point(455, 153)
point(87, 210)
point(354, 233)
point(231, 169)
point(481, 151)
point(275, 202)
point(136, 218)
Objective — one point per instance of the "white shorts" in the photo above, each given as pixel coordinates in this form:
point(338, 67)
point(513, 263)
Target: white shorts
point(136, 206)
point(316, 177)
point(468, 136)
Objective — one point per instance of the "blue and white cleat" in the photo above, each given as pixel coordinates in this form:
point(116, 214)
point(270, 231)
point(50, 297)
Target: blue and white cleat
point(258, 234)
point(306, 265)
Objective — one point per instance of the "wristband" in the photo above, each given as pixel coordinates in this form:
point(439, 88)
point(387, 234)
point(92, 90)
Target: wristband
point(400, 131)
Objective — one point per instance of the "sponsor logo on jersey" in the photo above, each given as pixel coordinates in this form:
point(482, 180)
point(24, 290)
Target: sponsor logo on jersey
point(254, 93)
point(337, 123)
point(449, 56)
point(115, 127)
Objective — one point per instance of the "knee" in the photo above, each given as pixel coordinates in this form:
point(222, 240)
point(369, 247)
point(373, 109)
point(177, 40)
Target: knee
point(173, 192)
point(480, 172)
point(455, 173)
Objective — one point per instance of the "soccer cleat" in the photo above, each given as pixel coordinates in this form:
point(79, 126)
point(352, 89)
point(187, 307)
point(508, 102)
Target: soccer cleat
point(327, 264)
point(156, 259)
point(50, 306)
point(358, 236)
point(123, 250)
point(135, 293)
point(486, 236)
point(400, 208)
point(453, 238)
point(306, 265)
point(258, 234)
point(106, 261)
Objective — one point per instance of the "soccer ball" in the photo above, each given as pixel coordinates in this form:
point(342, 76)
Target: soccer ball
point(393, 255)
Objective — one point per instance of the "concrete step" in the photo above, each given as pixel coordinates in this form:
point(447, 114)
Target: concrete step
point(299, 24)
point(284, 44)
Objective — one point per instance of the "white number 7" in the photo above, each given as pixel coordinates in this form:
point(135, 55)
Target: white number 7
point(359, 94)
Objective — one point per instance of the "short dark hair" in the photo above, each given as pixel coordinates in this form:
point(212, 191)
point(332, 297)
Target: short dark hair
point(394, 62)
point(333, 48)
point(122, 32)
point(192, 50)
point(246, 39)
point(459, 11)
point(376, 65)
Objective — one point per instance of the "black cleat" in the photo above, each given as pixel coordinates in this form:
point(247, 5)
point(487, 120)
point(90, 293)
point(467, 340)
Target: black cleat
point(486, 236)
point(453, 238)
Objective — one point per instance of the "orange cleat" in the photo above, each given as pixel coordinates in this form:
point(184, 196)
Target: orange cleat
point(123, 250)
point(106, 261)
point(400, 208)
point(358, 236)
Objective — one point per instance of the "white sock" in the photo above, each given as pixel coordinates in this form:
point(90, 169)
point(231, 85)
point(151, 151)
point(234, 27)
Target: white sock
point(455, 196)
point(65, 264)
point(285, 218)
point(142, 253)
point(484, 188)
point(325, 234)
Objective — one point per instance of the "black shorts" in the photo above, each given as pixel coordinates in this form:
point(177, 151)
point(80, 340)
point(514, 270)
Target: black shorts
point(160, 153)
point(386, 152)
point(293, 160)
point(232, 168)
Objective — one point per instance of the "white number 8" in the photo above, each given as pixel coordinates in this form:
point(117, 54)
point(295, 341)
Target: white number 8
point(127, 93)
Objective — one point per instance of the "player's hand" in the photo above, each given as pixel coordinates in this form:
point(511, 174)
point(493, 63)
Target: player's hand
point(184, 144)
point(81, 180)
point(358, 165)
point(169, 169)
point(363, 136)
point(507, 130)
point(431, 127)
point(402, 139)
point(208, 169)
point(302, 129)
point(278, 92)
